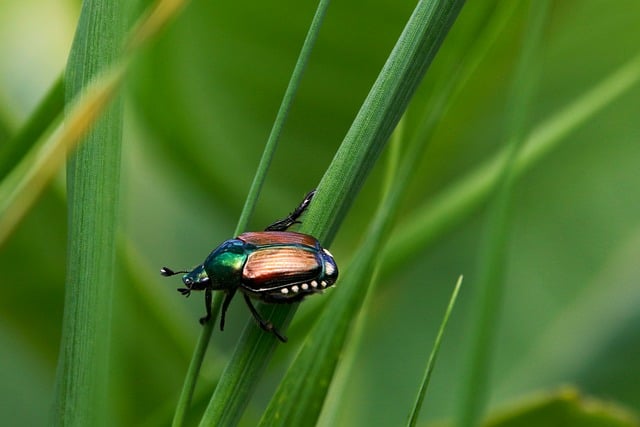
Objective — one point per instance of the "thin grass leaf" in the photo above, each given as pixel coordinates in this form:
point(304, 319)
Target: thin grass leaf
point(327, 416)
point(444, 96)
point(604, 307)
point(155, 20)
point(458, 201)
point(21, 188)
point(23, 185)
point(301, 394)
point(490, 288)
point(372, 127)
point(93, 181)
point(281, 117)
point(436, 107)
point(184, 400)
point(49, 109)
point(433, 356)
point(189, 385)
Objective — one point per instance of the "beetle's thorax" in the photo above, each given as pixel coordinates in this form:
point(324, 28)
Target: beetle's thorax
point(225, 263)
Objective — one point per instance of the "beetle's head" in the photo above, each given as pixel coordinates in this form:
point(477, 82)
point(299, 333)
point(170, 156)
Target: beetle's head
point(194, 280)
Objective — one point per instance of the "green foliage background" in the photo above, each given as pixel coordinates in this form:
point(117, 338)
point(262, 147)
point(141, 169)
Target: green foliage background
point(199, 107)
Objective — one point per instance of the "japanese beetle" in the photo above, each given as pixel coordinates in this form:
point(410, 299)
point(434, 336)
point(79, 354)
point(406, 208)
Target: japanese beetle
point(275, 266)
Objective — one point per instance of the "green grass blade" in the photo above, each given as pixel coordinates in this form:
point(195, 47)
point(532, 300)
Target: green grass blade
point(20, 189)
point(24, 183)
point(252, 198)
point(93, 179)
point(281, 117)
point(373, 125)
point(302, 392)
point(40, 120)
point(380, 112)
point(94, 72)
point(457, 202)
point(490, 288)
point(474, 51)
point(433, 356)
point(189, 386)
point(603, 307)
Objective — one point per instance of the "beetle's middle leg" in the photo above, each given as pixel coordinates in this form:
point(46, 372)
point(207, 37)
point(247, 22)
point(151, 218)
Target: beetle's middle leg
point(287, 222)
point(225, 305)
point(265, 325)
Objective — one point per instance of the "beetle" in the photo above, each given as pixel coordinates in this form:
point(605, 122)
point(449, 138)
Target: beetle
point(274, 266)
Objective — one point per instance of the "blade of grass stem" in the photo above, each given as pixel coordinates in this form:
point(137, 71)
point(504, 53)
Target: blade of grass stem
point(490, 288)
point(373, 125)
point(301, 394)
point(391, 170)
point(435, 108)
point(309, 377)
point(22, 186)
point(605, 307)
point(458, 201)
point(272, 143)
point(93, 174)
point(153, 21)
point(445, 94)
point(281, 117)
point(49, 109)
point(433, 356)
point(93, 180)
point(189, 386)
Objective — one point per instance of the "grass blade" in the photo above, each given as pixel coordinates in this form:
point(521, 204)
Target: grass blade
point(188, 388)
point(432, 357)
point(93, 173)
point(24, 183)
point(491, 276)
point(39, 121)
point(301, 394)
point(93, 179)
point(457, 202)
point(373, 125)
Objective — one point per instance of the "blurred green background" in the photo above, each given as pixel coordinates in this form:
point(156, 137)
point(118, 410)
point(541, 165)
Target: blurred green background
point(200, 104)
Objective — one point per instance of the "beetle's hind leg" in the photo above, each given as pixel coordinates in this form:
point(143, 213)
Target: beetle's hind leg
point(265, 325)
point(287, 222)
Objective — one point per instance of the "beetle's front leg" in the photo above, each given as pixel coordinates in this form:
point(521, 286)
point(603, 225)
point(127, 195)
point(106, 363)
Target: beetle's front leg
point(207, 304)
point(265, 325)
point(283, 224)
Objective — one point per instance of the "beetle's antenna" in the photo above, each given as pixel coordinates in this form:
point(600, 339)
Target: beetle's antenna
point(167, 272)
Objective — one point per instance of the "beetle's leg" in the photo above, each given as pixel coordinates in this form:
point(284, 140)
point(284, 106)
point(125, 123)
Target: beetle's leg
point(283, 224)
point(225, 304)
point(266, 326)
point(207, 304)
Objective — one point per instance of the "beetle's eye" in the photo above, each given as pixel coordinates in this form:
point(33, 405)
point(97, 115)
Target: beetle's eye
point(188, 281)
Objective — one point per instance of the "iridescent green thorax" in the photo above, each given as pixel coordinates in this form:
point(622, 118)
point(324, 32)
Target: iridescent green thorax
point(224, 265)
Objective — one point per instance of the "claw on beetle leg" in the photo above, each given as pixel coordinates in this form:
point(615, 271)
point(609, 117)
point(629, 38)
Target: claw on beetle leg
point(265, 325)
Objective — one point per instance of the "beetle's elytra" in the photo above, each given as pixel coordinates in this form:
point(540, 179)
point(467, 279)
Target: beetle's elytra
point(275, 266)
